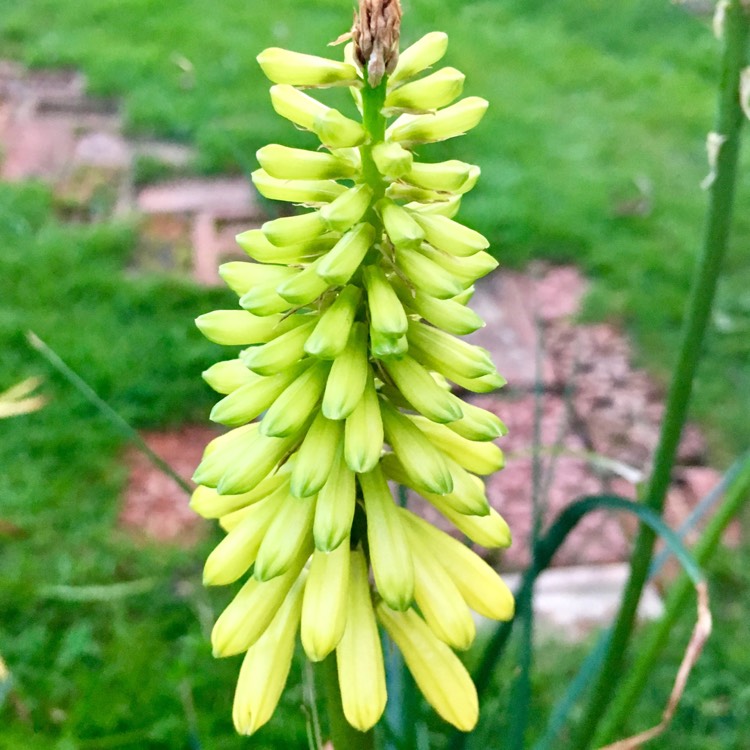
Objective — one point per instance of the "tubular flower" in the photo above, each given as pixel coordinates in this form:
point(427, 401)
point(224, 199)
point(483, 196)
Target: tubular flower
point(349, 315)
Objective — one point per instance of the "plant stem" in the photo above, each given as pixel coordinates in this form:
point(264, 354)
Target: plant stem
point(728, 126)
point(343, 735)
point(545, 550)
point(629, 691)
point(90, 395)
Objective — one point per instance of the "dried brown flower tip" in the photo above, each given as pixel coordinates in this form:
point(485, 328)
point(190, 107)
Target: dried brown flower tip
point(376, 36)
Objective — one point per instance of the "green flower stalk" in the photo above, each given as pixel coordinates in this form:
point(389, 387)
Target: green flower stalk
point(349, 317)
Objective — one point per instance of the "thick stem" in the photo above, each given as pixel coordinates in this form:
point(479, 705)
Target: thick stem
point(343, 735)
point(729, 122)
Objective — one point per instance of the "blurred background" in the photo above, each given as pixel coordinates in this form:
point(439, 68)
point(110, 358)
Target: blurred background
point(127, 136)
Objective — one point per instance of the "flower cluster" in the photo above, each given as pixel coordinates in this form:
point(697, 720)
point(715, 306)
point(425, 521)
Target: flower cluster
point(350, 315)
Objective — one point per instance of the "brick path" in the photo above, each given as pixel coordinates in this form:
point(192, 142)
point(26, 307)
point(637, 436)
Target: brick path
point(593, 404)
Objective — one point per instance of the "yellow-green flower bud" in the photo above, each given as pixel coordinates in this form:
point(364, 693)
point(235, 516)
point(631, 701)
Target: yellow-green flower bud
point(439, 599)
point(240, 275)
point(480, 586)
point(347, 209)
point(297, 69)
point(402, 229)
point(447, 206)
point(466, 270)
point(468, 496)
point(263, 299)
point(334, 511)
point(296, 191)
point(477, 457)
point(266, 665)
point(338, 265)
point(383, 346)
point(465, 296)
point(337, 131)
point(225, 377)
point(287, 163)
point(448, 315)
point(487, 531)
point(485, 384)
point(324, 608)
point(419, 388)
point(252, 610)
point(316, 456)
point(450, 236)
point(454, 355)
point(247, 402)
point(207, 502)
point(429, 93)
point(255, 244)
point(421, 55)
point(222, 451)
point(471, 181)
point(478, 424)
point(292, 410)
point(240, 328)
point(331, 333)
point(446, 123)
point(424, 463)
point(290, 230)
point(281, 352)
point(444, 175)
point(296, 107)
point(402, 191)
point(387, 314)
point(359, 655)
point(363, 432)
point(234, 555)
point(389, 553)
point(348, 376)
point(305, 287)
point(426, 275)
point(391, 159)
point(288, 535)
point(246, 472)
point(438, 672)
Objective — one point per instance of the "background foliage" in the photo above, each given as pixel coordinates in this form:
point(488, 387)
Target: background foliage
point(588, 100)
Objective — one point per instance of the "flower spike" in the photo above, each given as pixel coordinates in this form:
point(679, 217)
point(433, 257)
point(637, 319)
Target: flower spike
point(348, 328)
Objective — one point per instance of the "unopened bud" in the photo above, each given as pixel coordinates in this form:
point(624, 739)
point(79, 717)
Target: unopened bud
point(347, 209)
point(339, 264)
point(444, 175)
point(402, 230)
point(337, 131)
point(296, 191)
point(300, 164)
point(446, 123)
point(295, 106)
point(429, 93)
point(422, 54)
point(298, 69)
point(450, 236)
point(290, 230)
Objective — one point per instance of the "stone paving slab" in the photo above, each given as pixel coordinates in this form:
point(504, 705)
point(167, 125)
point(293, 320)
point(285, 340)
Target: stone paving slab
point(571, 603)
point(225, 198)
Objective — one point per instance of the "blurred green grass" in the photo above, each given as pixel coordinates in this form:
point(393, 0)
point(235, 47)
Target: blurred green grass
point(587, 97)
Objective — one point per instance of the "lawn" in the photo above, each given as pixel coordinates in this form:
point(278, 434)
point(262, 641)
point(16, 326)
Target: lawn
point(589, 100)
